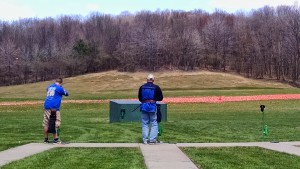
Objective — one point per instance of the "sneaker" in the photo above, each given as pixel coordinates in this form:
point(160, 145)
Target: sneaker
point(152, 142)
point(56, 142)
point(145, 142)
point(46, 141)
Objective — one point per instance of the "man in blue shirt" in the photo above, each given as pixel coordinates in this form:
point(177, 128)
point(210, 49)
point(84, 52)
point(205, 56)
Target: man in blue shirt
point(52, 103)
point(148, 94)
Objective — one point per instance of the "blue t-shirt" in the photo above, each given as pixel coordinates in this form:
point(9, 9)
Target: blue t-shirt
point(54, 96)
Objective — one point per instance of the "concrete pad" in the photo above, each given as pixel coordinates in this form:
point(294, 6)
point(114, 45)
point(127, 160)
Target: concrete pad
point(159, 156)
point(21, 152)
point(165, 156)
point(293, 143)
point(281, 147)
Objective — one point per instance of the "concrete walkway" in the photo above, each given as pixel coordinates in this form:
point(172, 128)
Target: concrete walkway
point(21, 152)
point(164, 156)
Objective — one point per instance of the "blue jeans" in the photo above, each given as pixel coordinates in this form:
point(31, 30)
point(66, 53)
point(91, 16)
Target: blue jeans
point(146, 119)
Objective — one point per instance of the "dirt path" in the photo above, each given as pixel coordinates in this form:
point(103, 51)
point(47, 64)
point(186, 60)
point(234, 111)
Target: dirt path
point(207, 99)
point(220, 99)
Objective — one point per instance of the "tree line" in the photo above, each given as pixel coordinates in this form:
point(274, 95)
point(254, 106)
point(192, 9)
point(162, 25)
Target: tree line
point(263, 43)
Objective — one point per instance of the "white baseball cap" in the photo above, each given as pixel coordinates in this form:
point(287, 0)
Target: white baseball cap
point(150, 77)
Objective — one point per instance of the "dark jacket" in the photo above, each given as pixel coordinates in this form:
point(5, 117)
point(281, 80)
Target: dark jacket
point(149, 93)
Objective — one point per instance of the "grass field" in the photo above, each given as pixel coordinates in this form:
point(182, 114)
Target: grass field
point(194, 122)
point(241, 158)
point(226, 122)
point(105, 158)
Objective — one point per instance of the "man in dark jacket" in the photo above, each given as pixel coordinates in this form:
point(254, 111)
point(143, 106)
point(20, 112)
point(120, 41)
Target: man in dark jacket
point(149, 93)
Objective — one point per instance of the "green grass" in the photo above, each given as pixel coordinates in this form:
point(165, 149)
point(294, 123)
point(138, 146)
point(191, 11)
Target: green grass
point(80, 123)
point(224, 122)
point(241, 158)
point(232, 122)
point(195, 122)
point(65, 158)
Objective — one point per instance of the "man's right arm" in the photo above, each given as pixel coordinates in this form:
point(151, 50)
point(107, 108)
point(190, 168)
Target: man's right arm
point(140, 94)
point(62, 91)
point(66, 93)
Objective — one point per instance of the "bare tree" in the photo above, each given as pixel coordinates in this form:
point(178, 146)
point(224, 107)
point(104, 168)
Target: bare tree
point(9, 56)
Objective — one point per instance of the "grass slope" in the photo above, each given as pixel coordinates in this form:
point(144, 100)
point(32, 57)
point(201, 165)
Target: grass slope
point(113, 84)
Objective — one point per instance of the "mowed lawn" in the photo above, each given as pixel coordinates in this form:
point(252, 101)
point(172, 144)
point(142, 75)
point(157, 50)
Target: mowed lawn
point(193, 122)
point(104, 158)
point(223, 122)
point(241, 158)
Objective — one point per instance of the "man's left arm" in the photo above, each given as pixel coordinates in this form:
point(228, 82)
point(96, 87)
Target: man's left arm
point(158, 94)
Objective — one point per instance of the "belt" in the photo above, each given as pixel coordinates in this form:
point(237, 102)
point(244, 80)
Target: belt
point(149, 101)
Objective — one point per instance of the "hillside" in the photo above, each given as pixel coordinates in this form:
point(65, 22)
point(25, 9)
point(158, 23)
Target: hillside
point(115, 84)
